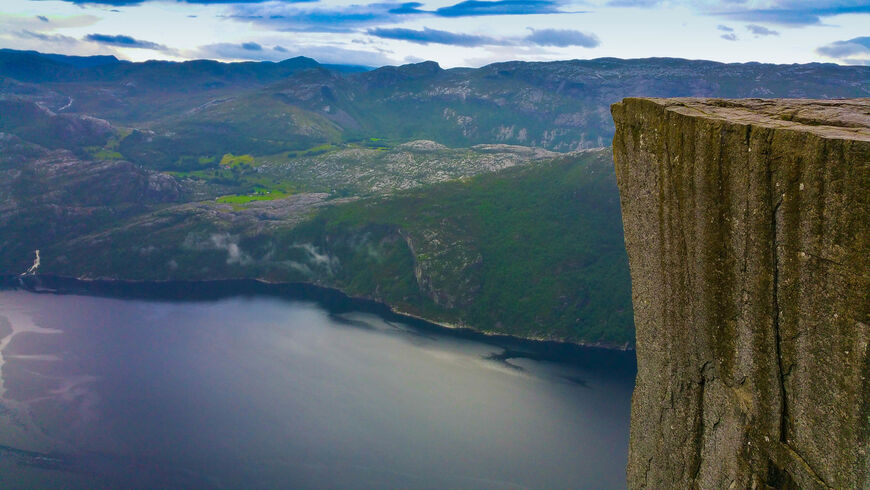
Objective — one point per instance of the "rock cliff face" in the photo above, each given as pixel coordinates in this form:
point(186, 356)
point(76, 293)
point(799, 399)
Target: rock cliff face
point(747, 226)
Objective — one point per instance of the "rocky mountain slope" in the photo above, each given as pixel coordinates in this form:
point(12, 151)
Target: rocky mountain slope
point(442, 192)
point(205, 109)
point(746, 223)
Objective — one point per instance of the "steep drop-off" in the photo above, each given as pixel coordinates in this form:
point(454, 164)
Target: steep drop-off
point(747, 227)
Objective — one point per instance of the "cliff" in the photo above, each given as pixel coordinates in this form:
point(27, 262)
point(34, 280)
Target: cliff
point(746, 224)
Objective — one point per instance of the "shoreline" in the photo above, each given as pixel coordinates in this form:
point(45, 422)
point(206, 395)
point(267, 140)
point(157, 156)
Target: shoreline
point(213, 289)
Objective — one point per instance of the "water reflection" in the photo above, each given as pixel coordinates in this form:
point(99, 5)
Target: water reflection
point(259, 391)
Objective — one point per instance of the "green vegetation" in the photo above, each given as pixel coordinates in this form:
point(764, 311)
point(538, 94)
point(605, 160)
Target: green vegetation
point(533, 251)
point(257, 195)
point(406, 183)
point(229, 161)
point(310, 152)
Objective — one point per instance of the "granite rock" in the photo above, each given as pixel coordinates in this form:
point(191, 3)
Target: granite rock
point(747, 225)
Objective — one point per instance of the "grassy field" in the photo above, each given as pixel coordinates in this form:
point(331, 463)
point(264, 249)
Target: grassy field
point(257, 195)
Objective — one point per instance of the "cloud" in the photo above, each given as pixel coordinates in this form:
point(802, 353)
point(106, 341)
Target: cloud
point(724, 28)
point(123, 41)
point(472, 8)
point(132, 3)
point(252, 46)
point(562, 38)
point(43, 23)
point(538, 37)
point(283, 16)
point(432, 36)
point(34, 32)
point(729, 37)
point(408, 8)
point(761, 30)
point(323, 54)
point(793, 13)
point(634, 3)
point(853, 51)
point(346, 18)
point(41, 36)
point(113, 3)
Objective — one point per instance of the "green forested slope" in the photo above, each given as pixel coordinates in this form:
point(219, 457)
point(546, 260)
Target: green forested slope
point(534, 250)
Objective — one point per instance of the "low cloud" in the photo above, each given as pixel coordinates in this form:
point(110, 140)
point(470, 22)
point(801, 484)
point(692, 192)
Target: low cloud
point(851, 51)
point(323, 54)
point(50, 38)
point(432, 36)
point(562, 38)
point(123, 41)
point(761, 30)
point(793, 13)
point(724, 28)
point(218, 241)
point(40, 33)
point(539, 37)
point(729, 37)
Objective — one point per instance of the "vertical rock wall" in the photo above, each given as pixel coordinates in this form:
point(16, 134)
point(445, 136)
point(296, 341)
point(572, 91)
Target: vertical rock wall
point(747, 224)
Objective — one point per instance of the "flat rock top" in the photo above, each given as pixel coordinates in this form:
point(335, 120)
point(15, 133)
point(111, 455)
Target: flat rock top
point(840, 118)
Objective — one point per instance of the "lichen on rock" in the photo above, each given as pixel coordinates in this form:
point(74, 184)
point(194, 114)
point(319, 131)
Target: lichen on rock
point(747, 224)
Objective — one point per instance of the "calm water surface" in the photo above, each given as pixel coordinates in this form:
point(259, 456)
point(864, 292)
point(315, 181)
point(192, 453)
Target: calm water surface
point(269, 392)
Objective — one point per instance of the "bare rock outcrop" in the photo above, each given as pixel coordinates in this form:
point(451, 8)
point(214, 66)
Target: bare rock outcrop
point(747, 224)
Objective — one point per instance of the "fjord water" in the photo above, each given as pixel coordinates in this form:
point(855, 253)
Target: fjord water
point(276, 392)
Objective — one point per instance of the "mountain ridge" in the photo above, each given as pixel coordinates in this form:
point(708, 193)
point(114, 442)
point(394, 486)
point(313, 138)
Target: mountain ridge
point(260, 170)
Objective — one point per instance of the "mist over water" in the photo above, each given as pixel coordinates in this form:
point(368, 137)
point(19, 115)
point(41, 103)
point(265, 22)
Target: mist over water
point(268, 392)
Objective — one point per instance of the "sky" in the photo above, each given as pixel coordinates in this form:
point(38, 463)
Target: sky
point(451, 32)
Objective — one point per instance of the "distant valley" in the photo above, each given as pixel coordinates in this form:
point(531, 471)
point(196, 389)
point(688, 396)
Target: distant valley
point(475, 197)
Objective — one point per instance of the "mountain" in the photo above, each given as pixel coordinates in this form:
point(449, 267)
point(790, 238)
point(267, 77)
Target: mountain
point(465, 196)
point(295, 104)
